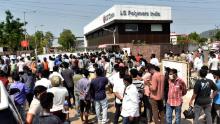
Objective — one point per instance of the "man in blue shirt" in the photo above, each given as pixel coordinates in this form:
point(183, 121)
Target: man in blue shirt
point(20, 97)
point(216, 100)
point(98, 94)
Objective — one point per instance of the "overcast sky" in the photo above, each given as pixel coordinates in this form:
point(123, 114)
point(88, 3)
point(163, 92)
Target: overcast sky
point(55, 15)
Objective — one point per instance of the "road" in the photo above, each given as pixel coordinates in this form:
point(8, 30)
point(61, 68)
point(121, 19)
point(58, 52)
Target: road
point(76, 120)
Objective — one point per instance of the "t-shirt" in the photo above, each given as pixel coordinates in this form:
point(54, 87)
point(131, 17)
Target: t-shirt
point(119, 87)
point(35, 109)
point(140, 86)
point(203, 89)
point(20, 66)
point(49, 119)
point(60, 93)
point(214, 62)
point(217, 97)
point(154, 61)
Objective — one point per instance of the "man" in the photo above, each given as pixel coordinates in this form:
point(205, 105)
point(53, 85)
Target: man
point(213, 63)
point(154, 60)
point(21, 65)
point(198, 63)
point(118, 90)
point(99, 96)
point(177, 89)
point(201, 95)
point(44, 81)
point(130, 103)
point(156, 86)
point(67, 75)
point(19, 98)
point(216, 100)
point(56, 73)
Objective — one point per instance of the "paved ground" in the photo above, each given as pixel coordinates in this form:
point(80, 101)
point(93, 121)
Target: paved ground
point(76, 120)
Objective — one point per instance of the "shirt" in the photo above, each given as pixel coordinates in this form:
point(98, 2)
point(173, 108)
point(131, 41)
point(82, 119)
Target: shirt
point(140, 86)
point(130, 103)
point(146, 77)
point(67, 75)
point(43, 82)
point(214, 62)
point(76, 78)
point(98, 88)
point(35, 109)
point(5, 81)
point(20, 97)
point(157, 86)
point(48, 118)
point(176, 91)
point(83, 86)
point(154, 61)
point(119, 87)
point(217, 97)
point(20, 66)
point(60, 93)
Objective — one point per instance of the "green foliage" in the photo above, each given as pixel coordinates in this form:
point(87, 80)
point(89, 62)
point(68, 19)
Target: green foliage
point(48, 39)
point(67, 39)
point(202, 40)
point(11, 32)
point(194, 37)
point(217, 35)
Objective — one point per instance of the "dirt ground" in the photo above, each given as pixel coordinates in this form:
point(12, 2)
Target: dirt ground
point(92, 118)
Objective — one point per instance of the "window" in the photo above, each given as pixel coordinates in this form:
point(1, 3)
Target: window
point(131, 27)
point(156, 27)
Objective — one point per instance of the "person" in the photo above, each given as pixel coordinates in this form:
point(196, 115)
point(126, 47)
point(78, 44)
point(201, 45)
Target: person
point(56, 73)
point(216, 100)
point(213, 63)
point(98, 94)
point(118, 90)
point(4, 79)
point(154, 60)
point(67, 75)
point(177, 89)
point(51, 64)
point(60, 95)
point(46, 117)
point(29, 80)
point(83, 87)
point(130, 102)
point(20, 65)
point(156, 86)
point(20, 97)
point(201, 95)
point(35, 108)
point(76, 77)
point(44, 80)
point(198, 63)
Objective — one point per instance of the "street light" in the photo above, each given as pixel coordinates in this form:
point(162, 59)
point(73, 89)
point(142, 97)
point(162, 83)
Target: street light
point(112, 31)
point(35, 41)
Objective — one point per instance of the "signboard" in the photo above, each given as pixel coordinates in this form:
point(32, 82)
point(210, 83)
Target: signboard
point(181, 67)
point(24, 43)
point(129, 12)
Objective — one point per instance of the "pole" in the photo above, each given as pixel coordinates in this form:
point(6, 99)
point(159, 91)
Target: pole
point(35, 41)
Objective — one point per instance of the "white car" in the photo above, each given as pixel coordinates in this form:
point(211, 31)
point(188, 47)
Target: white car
point(8, 112)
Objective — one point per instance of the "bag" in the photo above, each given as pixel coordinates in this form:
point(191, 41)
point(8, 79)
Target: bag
point(189, 114)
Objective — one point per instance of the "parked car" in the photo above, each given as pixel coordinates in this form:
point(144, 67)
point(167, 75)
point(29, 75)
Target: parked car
point(8, 112)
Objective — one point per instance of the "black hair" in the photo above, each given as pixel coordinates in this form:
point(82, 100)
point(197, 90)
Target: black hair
point(205, 67)
point(173, 70)
point(39, 89)
point(153, 55)
point(78, 71)
point(128, 78)
point(116, 67)
point(44, 74)
point(2, 74)
point(55, 68)
point(122, 72)
point(46, 100)
point(99, 72)
point(15, 77)
point(85, 72)
point(203, 73)
point(65, 64)
point(157, 68)
point(134, 73)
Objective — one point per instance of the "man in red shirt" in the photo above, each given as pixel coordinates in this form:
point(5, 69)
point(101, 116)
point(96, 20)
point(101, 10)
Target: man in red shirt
point(177, 89)
point(156, 86)
point(4, 79)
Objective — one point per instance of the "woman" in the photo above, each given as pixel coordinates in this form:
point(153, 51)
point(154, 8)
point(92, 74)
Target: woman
point(60, 95)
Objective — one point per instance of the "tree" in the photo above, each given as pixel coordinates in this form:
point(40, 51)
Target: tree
point(11, 32)
point(194, 37)
point(48, 39)
point(182, 39)
point(202, 40)
point(217, 35)
point(67, 39)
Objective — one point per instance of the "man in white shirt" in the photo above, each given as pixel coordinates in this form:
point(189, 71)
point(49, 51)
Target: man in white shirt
point(154, 60)
point(21, 65)
point(118, 90)
point(198, 63)
point(213, 63)
point(56, 73)
point(130, 103)
point(44, 81)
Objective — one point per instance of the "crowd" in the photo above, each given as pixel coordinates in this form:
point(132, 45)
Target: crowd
point(48, 89)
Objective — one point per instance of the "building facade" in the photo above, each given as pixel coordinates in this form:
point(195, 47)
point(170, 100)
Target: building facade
point(130, 24)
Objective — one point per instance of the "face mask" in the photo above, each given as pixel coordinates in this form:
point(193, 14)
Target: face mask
point(171, 77)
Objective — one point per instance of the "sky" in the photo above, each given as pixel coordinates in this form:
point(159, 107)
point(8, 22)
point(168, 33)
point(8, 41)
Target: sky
point(55, 15)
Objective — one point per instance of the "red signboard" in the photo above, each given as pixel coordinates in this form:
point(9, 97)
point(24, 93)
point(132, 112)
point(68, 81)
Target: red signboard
point(24, 43)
